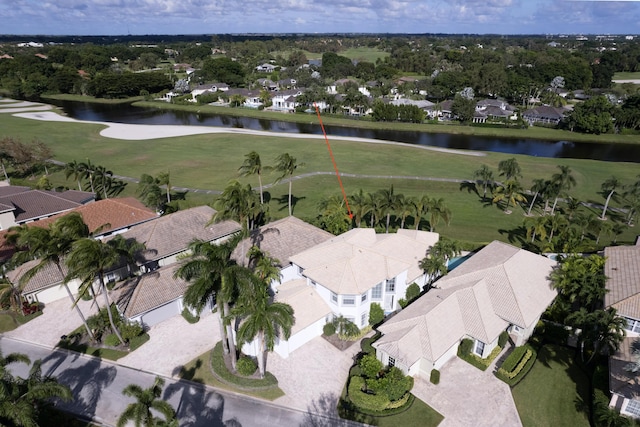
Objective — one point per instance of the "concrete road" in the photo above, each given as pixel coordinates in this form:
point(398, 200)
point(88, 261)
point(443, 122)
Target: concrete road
point(97, 388)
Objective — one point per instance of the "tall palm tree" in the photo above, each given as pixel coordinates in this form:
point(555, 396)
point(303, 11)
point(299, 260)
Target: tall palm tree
point(264, 320)
point(50, 246)
point(238, 202)
point(510, 169)
point(609, 187)
point(90, 258)
point(556, 222)
point(359, 206)
point(287, 165)
point(420, 208)
point(564, 181)
point(22, 399)
point(537, 187)
point(536, 227)
point(375, 208)
point(164, 178)
point(253, 166)
point(388, 202)
point(510, 192)
point(404, 207)
point(74, 169)
point(434, 266)
point(140, 412)
point(205, 269)
point(263, 265)
point(87, 171)
point(438, 211)
point(103, 180)
point(485, 176)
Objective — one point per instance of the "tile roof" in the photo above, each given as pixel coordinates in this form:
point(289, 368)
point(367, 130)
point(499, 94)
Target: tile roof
point(32, 204)
point(498, 286)
point(359, 259)
point(141, 294)
point(282, 239)
point(171, 234)
point(308, 306)
point(621, 381)
point(622, 268)
point(48, 276)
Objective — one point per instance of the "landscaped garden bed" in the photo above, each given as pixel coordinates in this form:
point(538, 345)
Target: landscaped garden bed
point(517, 364)
point(464, 353)
point(221, 370)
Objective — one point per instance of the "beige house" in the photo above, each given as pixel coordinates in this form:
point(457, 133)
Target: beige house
point(501, 288)
point(622, 269)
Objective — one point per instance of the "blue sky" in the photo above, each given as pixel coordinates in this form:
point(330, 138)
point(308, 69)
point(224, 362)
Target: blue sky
point(113, 17)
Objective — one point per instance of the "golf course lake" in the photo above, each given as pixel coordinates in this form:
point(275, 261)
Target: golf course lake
point(125, 113)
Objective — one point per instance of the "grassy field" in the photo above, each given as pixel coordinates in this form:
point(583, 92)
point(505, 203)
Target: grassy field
point(210, 161)
point(554, 393)
point(9, 320)
point(368, 54)
point(626, 76)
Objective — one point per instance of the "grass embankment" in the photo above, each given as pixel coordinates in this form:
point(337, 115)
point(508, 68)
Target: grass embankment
point(210, 161)
point(92, 99)
point(555, 392)
point(199, 370)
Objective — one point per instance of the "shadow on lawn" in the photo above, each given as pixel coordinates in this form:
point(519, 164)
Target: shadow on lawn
point(323, 413)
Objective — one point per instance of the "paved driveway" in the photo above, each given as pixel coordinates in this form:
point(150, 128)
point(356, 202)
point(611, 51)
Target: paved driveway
point(466, 396)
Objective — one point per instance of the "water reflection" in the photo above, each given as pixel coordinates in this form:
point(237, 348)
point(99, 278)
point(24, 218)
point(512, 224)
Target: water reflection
point(560, 149)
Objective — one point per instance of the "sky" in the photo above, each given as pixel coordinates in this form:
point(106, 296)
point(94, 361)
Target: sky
point(121, 17)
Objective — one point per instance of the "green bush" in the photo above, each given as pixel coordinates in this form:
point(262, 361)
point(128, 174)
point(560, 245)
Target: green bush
point(364, 400)
point(399, 403)
point(465, 347)
point(112, 340)
point(502, 339)
point(522, 368)
point(435, 377)
point(464, 353)
point(403, 302)
point(136, 342)
point(376, 314)
point(189, 317)
point(221, 371)
point(366, 346)
point(370, 366)
point(513, 359)
point(246, 366)
point(329, 329)
point(412, 292)
point(130, 330)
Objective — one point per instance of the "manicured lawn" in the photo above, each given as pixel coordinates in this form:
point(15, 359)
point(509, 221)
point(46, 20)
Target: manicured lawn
point(368, 54)
point(199, 370)
point(419, 415)
point(626, 76)
point(210, 161)
point(9, 320)
point(555, 392)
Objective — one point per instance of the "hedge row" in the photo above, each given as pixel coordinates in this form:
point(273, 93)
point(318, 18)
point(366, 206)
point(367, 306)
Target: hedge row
point(189, 317)
point(373, 404)
point(522, 368)
point(464, 353)
point(222, 373)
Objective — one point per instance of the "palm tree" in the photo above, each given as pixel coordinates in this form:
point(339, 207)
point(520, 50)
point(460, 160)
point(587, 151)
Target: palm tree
point(263, 319)
point(484, 175)
point(438, 211)
point(205, 269)
point(564, 181)
point(536, 188)
point(253, 166)
point(609, 187)
point(87, 171)
point(164, 178)
point(90, 258)
point(103, 180)
point(264, 266)
point(556, 222)
point(572, 207)
point(388, 201)
point(240, 203)
point(74, 169)
point(359, 206)
point(434, 266)
point(287, 165)
point(375, 208)
point(510, 169)
point(536, 227)
point(420, 208)
point(21, 399)
point(511, 192)
point(51, 246)
point(147, 400)
point(404, 207)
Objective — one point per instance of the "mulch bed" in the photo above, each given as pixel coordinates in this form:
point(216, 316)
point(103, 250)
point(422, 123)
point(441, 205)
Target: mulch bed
point(338, 343)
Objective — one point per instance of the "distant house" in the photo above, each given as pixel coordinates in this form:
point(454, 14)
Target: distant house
point(266, 68)
point(267, 84)
point(622, 269)
point(285, 100)
point(20, 205)
point(501, 288)
point(545, 114)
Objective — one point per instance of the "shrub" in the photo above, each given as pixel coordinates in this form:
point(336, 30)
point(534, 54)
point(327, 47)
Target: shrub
point(412, 292)
point(130, 330)
point(435, 377)
point(398, 384)
point(364, 400)
point(513, 359)
point(403, 302)
point(112, 340)
point(520, 370)
point(400, 402)
point(345, 328)
point(370, 366)
point(502, 339)
point(246, 366)
point(465, 347)
point(189, 317)
point(376, 314)
point(329, 329)
point(222, 373)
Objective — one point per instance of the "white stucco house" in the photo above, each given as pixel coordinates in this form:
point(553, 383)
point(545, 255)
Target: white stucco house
point(622, 269)
point(500, 288)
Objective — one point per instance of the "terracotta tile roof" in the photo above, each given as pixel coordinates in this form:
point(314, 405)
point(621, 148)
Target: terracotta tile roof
point(622, 268)
point(141, 294)
point(498, 286)
point(171, 234)
point(308, 306)
point(282, 239)
point(359, 259)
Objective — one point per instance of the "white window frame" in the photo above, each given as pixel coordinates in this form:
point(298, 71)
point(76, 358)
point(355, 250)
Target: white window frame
point(376, 292)
point(632, 325)
point(392, 362)
point(633, 408)
point(363, 297)
point(334, 298)
point(364, 319)
point(478, 344)
point(390, 286)
point(348, 300)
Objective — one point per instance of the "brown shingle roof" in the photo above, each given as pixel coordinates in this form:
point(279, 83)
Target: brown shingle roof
point(48, 276)
point(622, 268)
point(33, 204)
point(282, 239)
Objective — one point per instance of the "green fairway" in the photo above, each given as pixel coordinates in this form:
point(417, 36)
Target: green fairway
point(626, 76)
point(210, 161)
point(555, 392)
